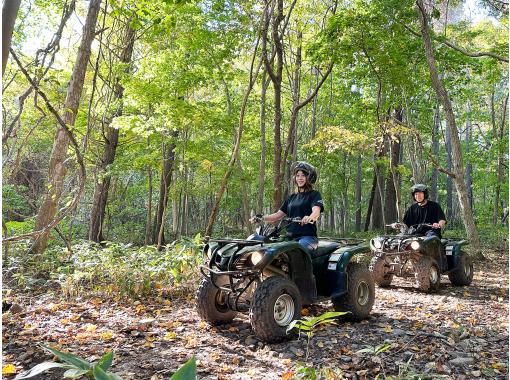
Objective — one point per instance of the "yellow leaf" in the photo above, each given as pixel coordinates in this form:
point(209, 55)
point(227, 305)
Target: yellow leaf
point(96, 301)
point(91, 328)
point(170, 336)
point(8, 369)
point(288, 375)
point(388, 329)
point(140, 308)
point(203, 325)
point(53, 307)
point(305, 312)
point(65, 321)
point(106, 335)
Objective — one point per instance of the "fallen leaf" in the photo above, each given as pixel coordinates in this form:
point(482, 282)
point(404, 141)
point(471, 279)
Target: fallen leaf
point(8, 369)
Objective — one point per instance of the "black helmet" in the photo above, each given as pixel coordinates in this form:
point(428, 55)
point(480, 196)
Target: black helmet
point(422, 188)
point(305, 167)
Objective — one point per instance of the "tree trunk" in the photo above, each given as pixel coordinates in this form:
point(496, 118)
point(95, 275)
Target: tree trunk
point(263, 146)
point(499, 132)
point(469, 166)
point(276, 78)
point(370, 203)
point(111, 140)
point(57, 169)
point(164, 186)
point(357, 196)
point(9, 14)
point(148, 224)
point(457, 161)
point(392, 198)
point(435, 152)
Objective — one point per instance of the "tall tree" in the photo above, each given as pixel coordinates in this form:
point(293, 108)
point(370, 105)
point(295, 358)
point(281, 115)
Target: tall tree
point(9, 13)
point(444, 99)
point(111, 139)
point(57, 166)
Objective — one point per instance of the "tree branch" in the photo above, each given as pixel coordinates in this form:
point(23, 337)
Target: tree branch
point(64, 211)
point(458, 48)
point(432, 159)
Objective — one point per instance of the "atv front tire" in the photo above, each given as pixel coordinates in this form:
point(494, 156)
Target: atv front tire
point(378, 266)
point(212, 303)
point(276, 303)
point(463, 274)
point(427, 274)
point(360, 295)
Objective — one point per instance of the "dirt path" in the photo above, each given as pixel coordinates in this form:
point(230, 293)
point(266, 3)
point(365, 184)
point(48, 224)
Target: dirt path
point(458, 333)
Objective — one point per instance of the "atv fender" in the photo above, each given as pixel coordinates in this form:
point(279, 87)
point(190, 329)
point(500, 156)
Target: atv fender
point(431, 246)
point(300, 266)
point(336, 275)
point(453, 250)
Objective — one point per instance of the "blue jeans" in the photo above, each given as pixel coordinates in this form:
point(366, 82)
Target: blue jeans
point(309, 242)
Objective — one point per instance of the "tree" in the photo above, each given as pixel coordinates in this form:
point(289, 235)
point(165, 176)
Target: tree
point(9, 13)
point(111, 140)
point(57, 167)
point(444, 99)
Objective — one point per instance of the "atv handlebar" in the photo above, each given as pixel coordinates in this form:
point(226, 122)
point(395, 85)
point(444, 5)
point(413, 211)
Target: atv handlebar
point(259, 219)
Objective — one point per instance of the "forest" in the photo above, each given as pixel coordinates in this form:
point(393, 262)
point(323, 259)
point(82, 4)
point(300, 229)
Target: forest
point(134, 131)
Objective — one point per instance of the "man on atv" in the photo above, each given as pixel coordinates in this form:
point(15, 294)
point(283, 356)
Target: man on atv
point(306, 204)
point(424, 211)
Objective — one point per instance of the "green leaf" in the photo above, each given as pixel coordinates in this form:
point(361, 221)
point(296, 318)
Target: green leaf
point(40, 368)
point(69, 358)
point(187, 372)
point(75, 373)
point(100, 374)
point(106, 361)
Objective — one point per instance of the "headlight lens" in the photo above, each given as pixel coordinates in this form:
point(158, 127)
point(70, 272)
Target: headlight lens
point(415, 245)
point(256, 257)
point(377, 243)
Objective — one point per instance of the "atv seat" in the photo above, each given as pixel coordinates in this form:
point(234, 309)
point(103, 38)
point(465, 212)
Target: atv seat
point(325, 248)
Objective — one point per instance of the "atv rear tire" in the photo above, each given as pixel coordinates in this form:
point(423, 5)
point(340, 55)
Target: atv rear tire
point(276, 303)
point(360, 295)
point(463, 274)
point(212, 302)
point(427, 274)
point(378, 267)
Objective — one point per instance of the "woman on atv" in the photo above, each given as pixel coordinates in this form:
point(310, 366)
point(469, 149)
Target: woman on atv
point(305, 203)
point(424, 211)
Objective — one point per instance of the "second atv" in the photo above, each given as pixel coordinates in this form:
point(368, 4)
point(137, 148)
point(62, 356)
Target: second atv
point(271, 278)
point(424, 258)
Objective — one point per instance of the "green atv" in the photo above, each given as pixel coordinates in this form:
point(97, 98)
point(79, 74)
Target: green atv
point(271, 277)
point(410, 254)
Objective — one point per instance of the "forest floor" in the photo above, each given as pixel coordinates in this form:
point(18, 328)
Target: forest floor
point(457, 333)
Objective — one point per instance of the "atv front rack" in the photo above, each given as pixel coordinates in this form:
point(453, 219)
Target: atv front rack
point(233, 294)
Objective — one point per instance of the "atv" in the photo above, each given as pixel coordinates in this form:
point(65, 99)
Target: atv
point(424, 258)
point(271, 277)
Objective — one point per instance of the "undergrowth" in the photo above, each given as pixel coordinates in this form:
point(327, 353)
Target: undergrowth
point(111, 268)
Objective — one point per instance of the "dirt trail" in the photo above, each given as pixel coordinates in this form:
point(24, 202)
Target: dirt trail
point(458, 333)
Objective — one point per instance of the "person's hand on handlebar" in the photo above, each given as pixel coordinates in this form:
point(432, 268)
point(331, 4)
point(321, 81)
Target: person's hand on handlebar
point(257, 218)
point(307, 219)
point(438, 225)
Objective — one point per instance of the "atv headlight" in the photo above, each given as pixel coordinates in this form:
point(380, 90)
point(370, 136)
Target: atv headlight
point(256, 256)
point(415, 245)
point(377, 243)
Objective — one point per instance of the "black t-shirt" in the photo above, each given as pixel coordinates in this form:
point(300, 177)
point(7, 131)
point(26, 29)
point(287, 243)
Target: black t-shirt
point(300, 205)
point(431, 213)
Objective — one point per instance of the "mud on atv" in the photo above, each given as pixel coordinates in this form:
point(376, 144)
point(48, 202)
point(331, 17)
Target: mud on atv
point(272, 277)
point(424, 258)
